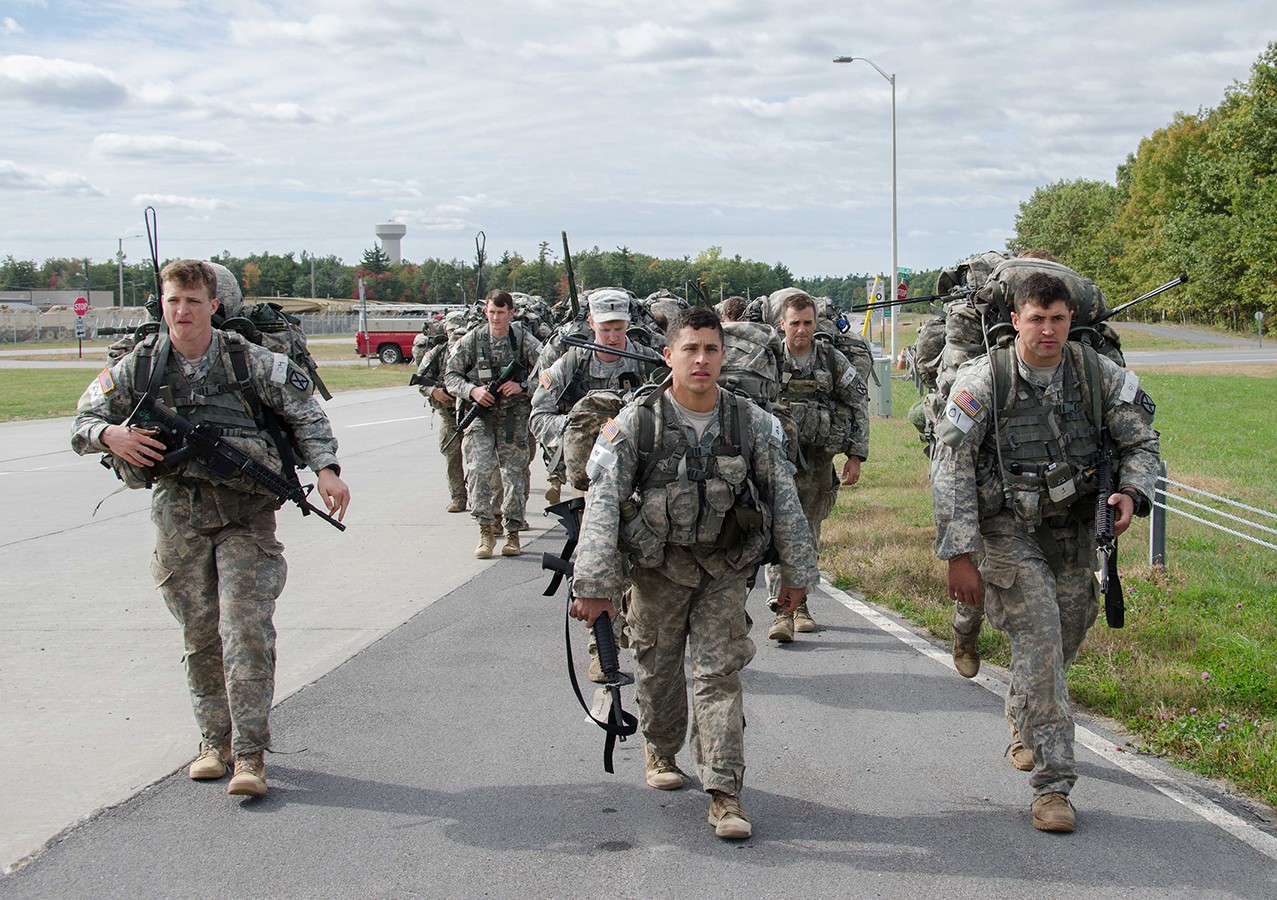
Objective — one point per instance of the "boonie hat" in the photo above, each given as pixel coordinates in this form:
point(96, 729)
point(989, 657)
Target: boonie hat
point(610, 306)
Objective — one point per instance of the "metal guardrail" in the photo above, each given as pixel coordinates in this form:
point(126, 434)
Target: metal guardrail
point(1166, 502)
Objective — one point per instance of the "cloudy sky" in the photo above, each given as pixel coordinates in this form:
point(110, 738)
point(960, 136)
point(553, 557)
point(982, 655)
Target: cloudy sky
point(664, 126)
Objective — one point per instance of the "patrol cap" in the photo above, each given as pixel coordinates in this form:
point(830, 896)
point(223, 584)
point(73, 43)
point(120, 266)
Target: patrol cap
point(454, 319)
point(609, 306)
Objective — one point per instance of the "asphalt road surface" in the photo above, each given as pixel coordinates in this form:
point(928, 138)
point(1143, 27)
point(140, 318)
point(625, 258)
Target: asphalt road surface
point(428, 744)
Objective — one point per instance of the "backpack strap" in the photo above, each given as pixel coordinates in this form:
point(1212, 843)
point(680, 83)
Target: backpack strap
point(263, 414)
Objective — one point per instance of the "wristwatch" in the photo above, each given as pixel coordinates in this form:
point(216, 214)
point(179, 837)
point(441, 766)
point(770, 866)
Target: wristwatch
point(1141, 504)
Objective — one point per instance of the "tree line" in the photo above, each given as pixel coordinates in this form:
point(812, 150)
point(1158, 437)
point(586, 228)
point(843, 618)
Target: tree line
point(1198, 196)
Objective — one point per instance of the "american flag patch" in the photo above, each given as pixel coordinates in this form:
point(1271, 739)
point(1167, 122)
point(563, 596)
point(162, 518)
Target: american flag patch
point(544, 379)
point(106, 382)
point(968, 404)
point(610, 430)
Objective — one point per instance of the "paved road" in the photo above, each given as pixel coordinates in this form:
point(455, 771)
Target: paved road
point(441, 754)
point(95, 706)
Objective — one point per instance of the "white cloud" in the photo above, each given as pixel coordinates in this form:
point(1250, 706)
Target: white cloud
point(12, 27)
point(18, 178)
point(161, 147)
point(173, 200)
point(59, 82)
point(164, 95)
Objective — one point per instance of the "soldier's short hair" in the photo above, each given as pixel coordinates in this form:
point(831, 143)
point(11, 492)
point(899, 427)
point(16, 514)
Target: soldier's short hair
point(190, 273)
point(1041, 289)
point(798, 300)
point(732, 309)
point(694, 318)
point(500, 298)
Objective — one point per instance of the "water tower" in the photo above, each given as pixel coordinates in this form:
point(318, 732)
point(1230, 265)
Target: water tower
point(391, 233)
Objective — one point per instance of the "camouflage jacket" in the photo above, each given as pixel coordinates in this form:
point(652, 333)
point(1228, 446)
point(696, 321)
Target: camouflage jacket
point(433, 365)
point(277, 381)
point(467, 368)
point(827, 400)
point(614, 484)
point(967, 487)
point(571, 377)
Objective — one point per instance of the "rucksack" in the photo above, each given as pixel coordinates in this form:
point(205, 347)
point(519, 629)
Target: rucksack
point(751, 361)
point(279, 332)
point(977, 316)
point(261, 323)
point(585, 419)
point(831, 326)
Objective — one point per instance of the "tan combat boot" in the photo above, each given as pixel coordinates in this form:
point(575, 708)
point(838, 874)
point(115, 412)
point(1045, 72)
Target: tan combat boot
point(782, 629)
point(487, 541)
point(457, 505)
point(511, 547)
point(555, 492)
point(727, 817)
point(1053, 812)
point(211, 764)
point(663, 773)
point(966, 654)
point(803, 622)
point(1020, 755)
point(249, 779)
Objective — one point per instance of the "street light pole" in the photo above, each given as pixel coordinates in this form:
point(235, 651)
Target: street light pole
point(895, 261)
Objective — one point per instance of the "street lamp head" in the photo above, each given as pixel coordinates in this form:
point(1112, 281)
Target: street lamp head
point(844, 59)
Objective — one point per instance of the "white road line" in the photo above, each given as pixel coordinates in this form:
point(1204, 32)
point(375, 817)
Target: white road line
point(387, 422)
point(1181, 793)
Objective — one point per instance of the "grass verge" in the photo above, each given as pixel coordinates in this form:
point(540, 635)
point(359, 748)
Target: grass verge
point(1193, 675)
point(49, 393)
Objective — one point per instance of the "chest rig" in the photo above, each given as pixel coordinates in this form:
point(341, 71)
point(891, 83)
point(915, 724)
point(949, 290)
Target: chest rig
point(809, 399)
point(225, 400)
point(1047, 452)
point(624, 378)
point(690, 495)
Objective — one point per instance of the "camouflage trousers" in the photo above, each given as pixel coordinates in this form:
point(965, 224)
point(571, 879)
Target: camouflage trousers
point(220, 570)
point(665, 621)
point(817, 491)
point(456, 471)
point(497, 454)
point(1047, 614)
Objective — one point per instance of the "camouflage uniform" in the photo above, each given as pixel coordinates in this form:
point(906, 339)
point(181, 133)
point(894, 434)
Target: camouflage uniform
point(433, 364)
point(687, 592)
point(573, 375)
point(496, 447)
point(829, 405)
point(217, 562)
point(1036, 556)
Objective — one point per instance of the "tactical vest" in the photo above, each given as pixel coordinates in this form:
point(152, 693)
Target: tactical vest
point(485, 368)
point(713, 504)
point(225, 400)
point(626, 377)
point(809, 400)
point(1047, 453)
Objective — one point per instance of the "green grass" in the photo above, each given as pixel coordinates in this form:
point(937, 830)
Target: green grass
point(1193, 675)
point(48, 393)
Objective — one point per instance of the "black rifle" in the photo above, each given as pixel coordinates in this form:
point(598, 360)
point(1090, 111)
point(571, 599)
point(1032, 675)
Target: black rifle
point(480, 243)
point(573, 340)
point(619, 724)
point(1174, 282)
point(187, 440)
point(1106, 537)
point(417, 378)
point(507, 374)
point(574, 302)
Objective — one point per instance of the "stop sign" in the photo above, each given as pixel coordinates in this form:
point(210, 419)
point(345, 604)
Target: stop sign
point(81, 306)
point(902, 290)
